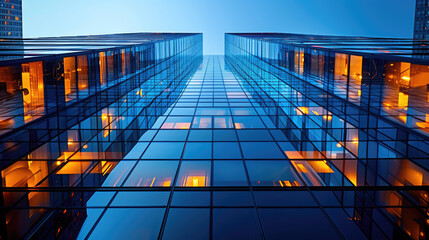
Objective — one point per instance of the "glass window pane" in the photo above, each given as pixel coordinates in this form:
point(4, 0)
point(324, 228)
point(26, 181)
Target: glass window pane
point(195, 199)
point(248, 122)
point(235, 223)
point(231, 198)
point(152, 174)
point(137, 151)
point(224, 135)
point(200, 135)
point(271, 173)
point(164, 150)
point(254, 135)
point(223, 122)
point(261, 150)
point(294, 223)
point(119, 173)
point(212, 111)
point(229, 173)
point(226, 150)
point(134, 223)
point(202, 122)
point(198, 150)
point(177, 123)
point(171, 135)
point(187, 223)
point(182, 111)
point(137, 199)
point(194, 174)
point(243, 111)
point(284, 198)
point(147, 136)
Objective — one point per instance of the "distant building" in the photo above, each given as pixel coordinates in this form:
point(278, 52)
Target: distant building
point(10, 18)
point(421, 24)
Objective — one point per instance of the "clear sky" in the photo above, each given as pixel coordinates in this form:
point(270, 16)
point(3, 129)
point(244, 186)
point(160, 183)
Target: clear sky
point(382, 18)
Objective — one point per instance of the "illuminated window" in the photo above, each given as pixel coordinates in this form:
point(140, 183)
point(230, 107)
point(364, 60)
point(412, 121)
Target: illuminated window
point(194, 174)
point(152, 174)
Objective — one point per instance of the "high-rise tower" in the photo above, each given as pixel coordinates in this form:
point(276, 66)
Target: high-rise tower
point(10, 18)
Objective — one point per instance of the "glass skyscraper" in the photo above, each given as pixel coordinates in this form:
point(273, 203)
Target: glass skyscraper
point(421, 28)
point(10, 19)
point(138, 136)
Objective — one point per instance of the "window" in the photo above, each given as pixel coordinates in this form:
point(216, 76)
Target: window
point(235, 223)
point(187, 223)
point(138, 199)
point(248, 122)
point(271, 173)
point(229, 173)
point(226, 150)
point(194, 174)
point(153, 174)
point(164, 150)
point(261, 150)
point(198, 150)
point(134, 223)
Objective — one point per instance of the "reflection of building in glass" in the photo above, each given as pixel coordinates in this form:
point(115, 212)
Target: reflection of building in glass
point(421, 28)
point(10, 29)
point(11, 19)
point(136, 136)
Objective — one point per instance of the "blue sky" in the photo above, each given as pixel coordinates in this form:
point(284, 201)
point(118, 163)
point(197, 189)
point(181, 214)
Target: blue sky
point(382, 18)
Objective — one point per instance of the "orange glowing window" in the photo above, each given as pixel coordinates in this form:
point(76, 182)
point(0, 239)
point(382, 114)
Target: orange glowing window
point(195, 181)
point(293, 155)
point(301, 168)
point(302, 110)
point(402, 99)
point(166, 183)
point(320, 167)
point(194, 174)
point(75, 167)
point(152, 174)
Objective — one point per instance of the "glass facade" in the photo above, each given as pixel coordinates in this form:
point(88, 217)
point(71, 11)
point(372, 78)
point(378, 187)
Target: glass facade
point(72, 108)
point(137, 136)
point(421, 28)
point(10, 19)
point(355, 124)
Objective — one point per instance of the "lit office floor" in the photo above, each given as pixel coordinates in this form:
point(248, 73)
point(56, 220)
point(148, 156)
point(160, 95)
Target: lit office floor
point(215, 167)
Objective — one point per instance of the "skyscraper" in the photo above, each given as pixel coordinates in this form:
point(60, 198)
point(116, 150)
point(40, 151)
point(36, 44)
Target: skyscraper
point(138, 136)
point(421, 28)
point(10, 18)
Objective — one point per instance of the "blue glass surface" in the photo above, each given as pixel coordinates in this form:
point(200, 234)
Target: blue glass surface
point(152, 174)
point(271, 173)
point(229, 173)
point(226, 150)
point(261, 150)
point(123, 223)
point(189, 223)
point(235, 223)
point(164, 150)
point(198, 150)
